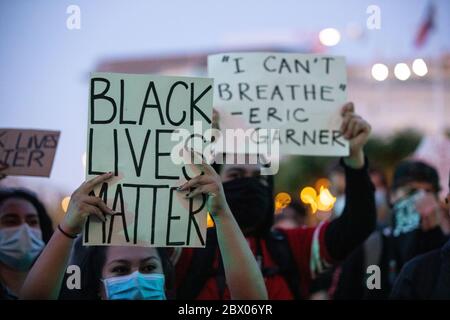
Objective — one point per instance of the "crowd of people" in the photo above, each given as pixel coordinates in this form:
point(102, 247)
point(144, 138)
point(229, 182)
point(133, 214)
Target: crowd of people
point(251, 253)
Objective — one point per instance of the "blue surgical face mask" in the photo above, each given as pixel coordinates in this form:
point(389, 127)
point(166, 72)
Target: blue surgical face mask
point(19, 246)
point(135, 286)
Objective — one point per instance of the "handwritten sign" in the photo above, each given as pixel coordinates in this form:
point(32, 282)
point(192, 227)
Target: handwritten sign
point(132, 119)
point(26, 152)
point(300, 94)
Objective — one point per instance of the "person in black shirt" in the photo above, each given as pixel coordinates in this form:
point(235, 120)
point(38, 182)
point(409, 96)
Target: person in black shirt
point(427, 276)
point(414, 230)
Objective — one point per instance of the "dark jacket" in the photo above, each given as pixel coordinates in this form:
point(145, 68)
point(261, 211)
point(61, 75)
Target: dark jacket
point(390, 254)
point(425, 277)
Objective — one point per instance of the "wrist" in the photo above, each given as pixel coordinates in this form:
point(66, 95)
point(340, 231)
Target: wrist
point(221, 213)
point(67, 234)
point(355, 160)
point(71, 230)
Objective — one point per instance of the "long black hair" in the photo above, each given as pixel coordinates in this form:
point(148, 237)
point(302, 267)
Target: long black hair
point(91, 260)
point(24, 194)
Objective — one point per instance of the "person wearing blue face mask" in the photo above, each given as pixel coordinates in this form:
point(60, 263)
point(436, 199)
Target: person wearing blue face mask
point(118, 272)
point(24, 229)
point(121, 273)
point(136, 286)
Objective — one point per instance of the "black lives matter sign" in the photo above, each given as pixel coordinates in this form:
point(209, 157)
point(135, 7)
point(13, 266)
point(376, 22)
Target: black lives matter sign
point(299, 94)
point(27, 152)
point(132, 119)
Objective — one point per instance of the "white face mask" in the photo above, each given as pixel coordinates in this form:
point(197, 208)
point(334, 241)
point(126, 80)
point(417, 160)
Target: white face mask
point(19, 246)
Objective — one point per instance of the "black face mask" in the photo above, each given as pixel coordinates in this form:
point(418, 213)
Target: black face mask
point(250, 203)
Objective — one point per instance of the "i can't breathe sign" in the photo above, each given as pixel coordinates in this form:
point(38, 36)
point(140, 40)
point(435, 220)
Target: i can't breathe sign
point(300, 94)
point(130, 126)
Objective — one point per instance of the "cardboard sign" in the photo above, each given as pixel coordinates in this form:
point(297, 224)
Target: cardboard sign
point(132, 120)
point(300, 94)
point(26, 152)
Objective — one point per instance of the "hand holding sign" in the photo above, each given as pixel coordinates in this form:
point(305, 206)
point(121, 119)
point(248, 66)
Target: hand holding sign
point(209, 183)
point(356, 130)
point(83, 205)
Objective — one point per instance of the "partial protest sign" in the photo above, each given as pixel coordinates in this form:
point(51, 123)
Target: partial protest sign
point(299, 94)
point(27, 152)
point(133, 120)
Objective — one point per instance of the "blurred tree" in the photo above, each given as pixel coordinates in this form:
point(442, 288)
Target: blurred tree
point(297, 172)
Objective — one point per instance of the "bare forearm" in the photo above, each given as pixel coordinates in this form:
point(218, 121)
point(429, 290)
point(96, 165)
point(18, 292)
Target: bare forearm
point(45, 278)
point(243, 275)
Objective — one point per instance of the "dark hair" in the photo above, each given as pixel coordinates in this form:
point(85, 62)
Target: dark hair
point(298, 207)
point(413, 170)
point(299, 212)
point(23, 194)
point(334, 167)
point(91, 260)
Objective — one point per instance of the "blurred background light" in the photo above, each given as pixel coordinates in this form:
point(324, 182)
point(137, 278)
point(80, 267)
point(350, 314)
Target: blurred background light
point(402, 71)
point(420, 67)
point(65, 203)
point(380, 71)
point(308, 196)
point(209, 221)
point(282, 200)
point(329, 37)
point(325, 200)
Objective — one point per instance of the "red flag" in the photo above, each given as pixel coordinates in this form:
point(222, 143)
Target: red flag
point(425, 28)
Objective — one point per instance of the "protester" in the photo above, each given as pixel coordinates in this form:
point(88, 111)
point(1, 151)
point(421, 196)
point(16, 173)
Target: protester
point(336, 174)
point(415, 230)
point(381, 196)
point(289, 259)
point(293, 216)
point(140, 273)
point(426, 276)
point(24, 229)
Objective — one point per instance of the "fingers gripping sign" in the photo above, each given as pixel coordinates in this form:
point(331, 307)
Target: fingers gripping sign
point(82, 205)
point(207, 183)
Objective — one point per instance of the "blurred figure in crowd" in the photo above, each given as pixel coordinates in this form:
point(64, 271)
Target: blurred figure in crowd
point(293, 216)
point(336, 174)
point(381, 197)
point(24, 229)
point(337, 178)
point(289, 258)
point(426, 276)
point(414, 230)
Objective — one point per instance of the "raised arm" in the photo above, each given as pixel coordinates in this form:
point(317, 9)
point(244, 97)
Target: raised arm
point(358, 220)
point(45, 278)
point(243, 275)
